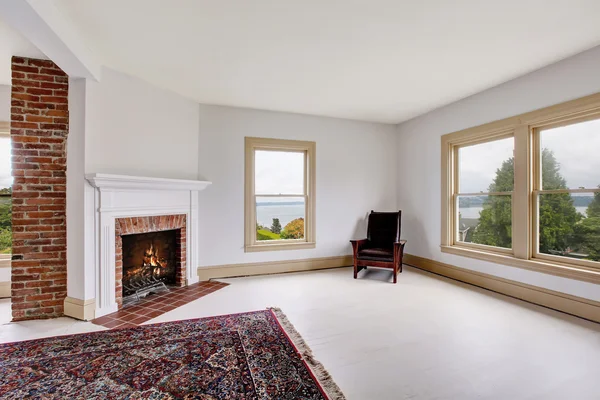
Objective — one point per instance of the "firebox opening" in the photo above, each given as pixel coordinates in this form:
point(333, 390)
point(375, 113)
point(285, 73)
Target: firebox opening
point(148, 259)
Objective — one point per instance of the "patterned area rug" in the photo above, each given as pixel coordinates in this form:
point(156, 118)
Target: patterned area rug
point(255, 355)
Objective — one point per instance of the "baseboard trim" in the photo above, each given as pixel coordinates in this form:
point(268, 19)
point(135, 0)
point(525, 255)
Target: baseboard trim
point(578, 306)
point(4, 290)
point(80, 309)
point(272, 267)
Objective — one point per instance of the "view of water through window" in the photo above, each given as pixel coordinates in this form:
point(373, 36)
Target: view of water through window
point(487, 218)
point(280, 200)
point(569, 207)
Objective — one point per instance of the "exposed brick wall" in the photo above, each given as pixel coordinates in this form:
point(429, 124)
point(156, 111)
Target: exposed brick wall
point(132, 225)
point(39, 124)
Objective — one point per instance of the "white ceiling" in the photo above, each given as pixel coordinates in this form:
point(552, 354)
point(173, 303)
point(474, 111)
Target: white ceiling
point(374, 60)
point(13, 44)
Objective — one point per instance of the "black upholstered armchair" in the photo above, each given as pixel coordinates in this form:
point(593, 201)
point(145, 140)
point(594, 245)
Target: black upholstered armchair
point(382, 248)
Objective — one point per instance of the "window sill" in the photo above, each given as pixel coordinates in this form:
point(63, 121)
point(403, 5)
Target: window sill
point(563, 270)
point(279, 246)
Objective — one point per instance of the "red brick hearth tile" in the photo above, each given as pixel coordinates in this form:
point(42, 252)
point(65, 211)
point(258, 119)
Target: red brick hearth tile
point(134, 309)
point(103, 320)
point(125, 325)
point(139, 320)
point(151, 308)
point(154, 314)
point(156, 305)
point(121, 314)
point(112, 324)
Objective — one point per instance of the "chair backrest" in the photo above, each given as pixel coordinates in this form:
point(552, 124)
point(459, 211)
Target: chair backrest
point(384, 228)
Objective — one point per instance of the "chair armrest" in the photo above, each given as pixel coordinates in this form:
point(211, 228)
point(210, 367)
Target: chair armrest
point(357, 245)
point(399, 250)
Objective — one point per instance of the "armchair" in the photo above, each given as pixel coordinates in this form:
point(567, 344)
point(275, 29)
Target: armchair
point(382, 248)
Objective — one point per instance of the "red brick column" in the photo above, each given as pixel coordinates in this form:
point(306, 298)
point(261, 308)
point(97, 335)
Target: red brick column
point(39, 124)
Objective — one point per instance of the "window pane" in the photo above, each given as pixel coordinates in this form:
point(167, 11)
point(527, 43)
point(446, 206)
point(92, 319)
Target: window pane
point(569, 225)
point(485, 220)
point(570, 156)
point(279, 172)
point(279, 218)
point(486, 167)
point(5, 197)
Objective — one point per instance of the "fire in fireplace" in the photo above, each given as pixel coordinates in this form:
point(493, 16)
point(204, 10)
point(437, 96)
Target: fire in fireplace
point(148, 263)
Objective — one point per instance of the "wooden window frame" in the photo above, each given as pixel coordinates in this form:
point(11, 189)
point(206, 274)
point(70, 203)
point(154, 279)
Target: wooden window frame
point(526, 131)
point(252, 144)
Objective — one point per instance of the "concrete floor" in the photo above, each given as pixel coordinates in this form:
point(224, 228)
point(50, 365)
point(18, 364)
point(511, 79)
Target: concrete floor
point(425, 338)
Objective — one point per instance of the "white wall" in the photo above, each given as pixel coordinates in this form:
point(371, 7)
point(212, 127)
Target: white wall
point(134, 128)
point(355, 173)
point(120, 125)
point(81, 271)
point(418, 144)
point(4, 102)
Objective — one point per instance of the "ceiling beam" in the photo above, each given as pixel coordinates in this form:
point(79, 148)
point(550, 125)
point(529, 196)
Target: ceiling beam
point(44, 25)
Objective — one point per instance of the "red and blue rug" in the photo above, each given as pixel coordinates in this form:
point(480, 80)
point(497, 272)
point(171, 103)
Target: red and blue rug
point(255, 355)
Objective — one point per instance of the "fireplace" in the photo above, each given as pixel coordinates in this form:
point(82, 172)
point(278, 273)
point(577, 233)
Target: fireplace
point(150, 255)
point(118, 205)
point(148, 262)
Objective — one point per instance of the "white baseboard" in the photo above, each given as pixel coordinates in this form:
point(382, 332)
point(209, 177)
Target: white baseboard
point(80, 309)
point(578, 306)
point(272, 267)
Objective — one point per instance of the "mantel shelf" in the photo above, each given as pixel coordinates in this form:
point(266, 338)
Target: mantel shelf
point(125, 182)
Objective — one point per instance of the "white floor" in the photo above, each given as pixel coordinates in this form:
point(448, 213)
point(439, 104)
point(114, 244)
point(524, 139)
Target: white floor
point(425, 338)
point(5, 311)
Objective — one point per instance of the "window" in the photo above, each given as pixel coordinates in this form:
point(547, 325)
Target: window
point(5, 194)
point(567, 191)
point(484, 185)
point(280, 194)
point(525, 191)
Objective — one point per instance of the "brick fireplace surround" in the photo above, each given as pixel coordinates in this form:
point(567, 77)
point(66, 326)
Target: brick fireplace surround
point(133, 225)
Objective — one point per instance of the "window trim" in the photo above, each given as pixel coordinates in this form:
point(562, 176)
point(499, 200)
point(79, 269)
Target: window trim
point(309, 148)
point(525, 128)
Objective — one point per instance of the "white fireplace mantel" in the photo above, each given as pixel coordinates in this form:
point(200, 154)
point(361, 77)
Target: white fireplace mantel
point(111, 181)
point(121, 196)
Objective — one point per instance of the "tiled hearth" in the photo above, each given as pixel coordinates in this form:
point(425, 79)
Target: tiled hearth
point(155, 305)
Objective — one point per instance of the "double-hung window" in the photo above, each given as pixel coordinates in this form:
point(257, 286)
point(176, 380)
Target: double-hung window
point(483, 194)
point(525, 191)
point(567, 192)
point(280, 194)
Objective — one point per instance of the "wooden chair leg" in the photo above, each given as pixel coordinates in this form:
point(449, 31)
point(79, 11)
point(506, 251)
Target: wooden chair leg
point(395, 273)
point(355, 271)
